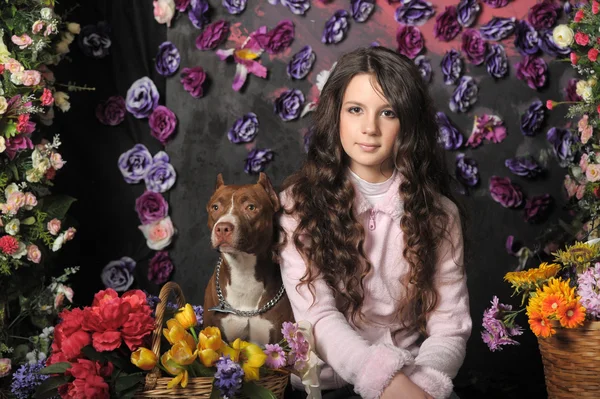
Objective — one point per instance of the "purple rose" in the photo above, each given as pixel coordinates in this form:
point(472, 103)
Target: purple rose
point(213, 35)
point(549, 47)
point(192, 80)
point(561, 141)
point(16, 144)
point(336, 28)
point(257, 160)
point(496, 61)
point(112, 111)
point(161, 175)
point(567, 7)
point(505, 193)
point(496, 3)
point(244, 130)
point(448, 134)
point(182, 5)
point(362, 9)
point(414, 12)
point(424, 65)
point(151, 207)
point(538, 208)
point(498, 28)
point(301, 63)
point(571, 91)
point(451, 67)
point(446, 25)
point(543, 15)
point(94, 40)
point(527, 40)
point(235, 6)
point(467, 171)
point(160, 268)
point(289, 104)
point(142, 98)
point(298, 7)
point(467, 12)
point(464, 95)
point(533, 70)
point(473, 46)
point(524, 166)
point(135, 163)
point(118, 274)
point(532, 119)
point(198, 13)
point(280, 37)
point(167, 59)
point(162, 123)
point(409, 40)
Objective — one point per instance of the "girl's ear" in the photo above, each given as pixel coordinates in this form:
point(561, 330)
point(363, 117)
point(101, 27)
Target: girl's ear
point(264, 181)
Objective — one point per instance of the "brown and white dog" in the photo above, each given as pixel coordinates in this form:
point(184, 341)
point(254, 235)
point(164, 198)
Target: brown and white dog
point(241, 220)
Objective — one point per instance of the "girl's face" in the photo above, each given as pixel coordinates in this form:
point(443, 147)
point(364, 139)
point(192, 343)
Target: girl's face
point(368, 129)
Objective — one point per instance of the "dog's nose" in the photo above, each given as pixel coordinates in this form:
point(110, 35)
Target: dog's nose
point(223, 229)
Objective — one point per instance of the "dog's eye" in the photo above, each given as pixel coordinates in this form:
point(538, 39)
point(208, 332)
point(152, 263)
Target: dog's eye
point(215, 207)
point(251, 207)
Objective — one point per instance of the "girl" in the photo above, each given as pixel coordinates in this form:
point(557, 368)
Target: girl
point(372, 250)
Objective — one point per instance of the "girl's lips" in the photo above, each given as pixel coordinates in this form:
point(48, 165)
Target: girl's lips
point(368, 147)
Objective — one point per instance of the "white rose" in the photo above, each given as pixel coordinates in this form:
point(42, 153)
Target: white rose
point(21, 251)
point(563, 36)
point(584, 90)
point(33, 176)
point(13, 227)
point(4, 53)
point(46, 13)
point(62, 47)
point(43, 166)
point(74, 28)
point(58, 243)
point(61, 99)
point(158, 234)
point(11, 188)
point(164, 11)
point(3, 105)
point(2, 144)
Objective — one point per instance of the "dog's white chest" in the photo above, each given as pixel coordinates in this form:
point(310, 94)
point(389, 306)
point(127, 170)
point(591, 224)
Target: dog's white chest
point(253, 329)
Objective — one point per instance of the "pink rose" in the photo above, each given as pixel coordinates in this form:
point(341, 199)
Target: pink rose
point(164, 11)
point(47, 98)
point(54, 226)
point(580, 192)
point(22, 41)
point(31, 78)
point(592, 172)
point(33, 253)
point(30, 201)
point(5, 366)
point(37, 27)
point(70, 233)
point(50, 30)
point(158, 234)
point(586, 134)
point(583, 162)
point(56, 161)
point(13, 65)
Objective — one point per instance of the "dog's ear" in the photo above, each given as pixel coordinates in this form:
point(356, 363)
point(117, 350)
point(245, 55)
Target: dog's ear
point(264, 181)
point(219, 181)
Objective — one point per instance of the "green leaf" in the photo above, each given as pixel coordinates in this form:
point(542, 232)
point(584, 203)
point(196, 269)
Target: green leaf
point(126, 382)
point(56, 368)
point(112, 356)
point(92, 354)
point(215, 393)
point(10, 130)
point(13, 169)
point(57, 206)
point(203, 371)
point(254, 391)
point(49, 387)
point(29, 221)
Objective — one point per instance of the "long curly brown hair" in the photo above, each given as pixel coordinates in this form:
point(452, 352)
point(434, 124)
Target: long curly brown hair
point(323, 196)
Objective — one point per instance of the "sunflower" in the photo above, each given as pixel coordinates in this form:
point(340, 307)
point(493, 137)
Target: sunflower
point(540, 325)
point(571, 314)
point(531, 278)
point(558, 286)
point(579, 254)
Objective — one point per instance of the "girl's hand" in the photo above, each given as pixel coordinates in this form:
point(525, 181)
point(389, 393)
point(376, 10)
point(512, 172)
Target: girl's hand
point(402, 387)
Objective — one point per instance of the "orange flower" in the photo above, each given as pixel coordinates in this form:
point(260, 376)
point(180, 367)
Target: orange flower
point(571, 314)
point(540, 325)
point(551, 303)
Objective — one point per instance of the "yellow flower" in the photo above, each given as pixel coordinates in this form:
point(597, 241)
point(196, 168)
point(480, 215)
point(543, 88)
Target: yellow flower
point(4, 53)
point(250, 357)
point(182, 377)
point(531, 278)
point(210, 338)
point(175, 333)
point(169, 364)
point(571, 314)
point(208, 357)
point(182, 354)
point(186, 317)
point(144, 358)
point(578, 254)
point(560, 287)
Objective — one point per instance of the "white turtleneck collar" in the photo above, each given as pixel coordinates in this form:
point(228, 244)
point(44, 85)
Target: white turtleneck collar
point(373, 192)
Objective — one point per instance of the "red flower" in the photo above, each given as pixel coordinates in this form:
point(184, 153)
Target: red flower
point(104, 296)
point(549, 104)
point(1, 69)
point(582, 39)
point(578, 16)
point(106, 341)
point(598, 109)
point(595, 7)
point(137, 299)
point(139, 326)
point(573, 57)
point(50, 174)
point(593, 54)
point(72, 344)
point(9, 245)
point(597, 191)
point(47, 98)
point(89, 380)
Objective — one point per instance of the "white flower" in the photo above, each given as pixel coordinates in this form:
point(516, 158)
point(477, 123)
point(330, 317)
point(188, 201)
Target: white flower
point(164, 11)
point(3, 105)
point(74, 28)
point(46, 13)
point(47, 332)
point(62, 47)
point(323, 76)
point(58, 243)
point(61, 99)
point(21, 251)
point(33, 176)
point(2, 144)
point(11, 188)
point(13, 227)
point(4, 53)
point(584, 90)
point(563, 36)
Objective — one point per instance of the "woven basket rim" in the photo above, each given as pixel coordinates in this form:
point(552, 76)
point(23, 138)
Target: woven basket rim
point(587, 325)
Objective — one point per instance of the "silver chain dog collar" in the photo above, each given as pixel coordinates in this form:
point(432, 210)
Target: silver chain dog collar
point(225, 307)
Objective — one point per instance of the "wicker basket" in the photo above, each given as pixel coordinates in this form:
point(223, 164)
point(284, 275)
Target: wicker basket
point(197, 387)
point(571, 360)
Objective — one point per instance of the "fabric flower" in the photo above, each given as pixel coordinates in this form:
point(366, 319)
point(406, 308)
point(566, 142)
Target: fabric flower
point(524, 166)
point(496, 61)
point(498, 28)
point(182, 5)
point(235, 7)
point(448, 135)
point(298, 7)
point(527, 39)
point(543, 15)
point(161, 174)
point(280, 37)
point(362, 9)
point(467, 171)
point(94, 40)
point(257, 160)
point(571, 91)
point(496, 3)
point(142, 98)
point(164, 10)
point(451, 67)
point(213, 35)
point(192, 80)
point(446, 24)
point(246, 57)
point(198, 13)
point(151, 207)
point(414, 12)
point(244, 130)
point(336, 28)
point(162, 123)
point(117, 274)
point(473, 46)
point(301, 63)
point(167, 59)
point(464, 95)
point(276, 357)
point(135, 163)
point(532, 119)
point(505, 193)
point(160, 268)
point(424, 65)
point(488, 127)
point(228, 377)
point(410, 41)
point(158, 234)
point(467, 12)
point(112, 111)
point(561, 141)
point(538, 208)
point(533, 70)
point(550, 47)
point(289, 104)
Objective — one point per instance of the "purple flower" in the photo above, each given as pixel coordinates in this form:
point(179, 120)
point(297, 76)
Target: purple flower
point(160, 268)
point(497, 332)
point(538, 208)
point(527, 40)
point(488, 127)
point(229, 376)
point(414, 12)
point(543, 15)
point(198, 13)
point(567, 7)
point(571, 91)
point(451, 67)
point(424, 66)
point(213, 35)
point(496, 61)
point(151, 207)
point(561, 140)
point(473, 46)
point(118, 274)
point(409, 40)
point(446, 25)
point(112, 111)
point(280, 37)
point(289, 104)
point(301, 63)
point(448, 133)
point(549, 47)
point(533, 70)
point(464, 95)
point(161, 175)
point(496, 3)
point(276, 357)
point(505, 193)
point(26, 379)
point(467, 12)
point(135, 163)
point(524, 166)
point(162, 123)
point(362, 9)
point(257, 160)
point(167, 59)
point(182, 5)
point(94, 40)
point(467, 171)
point(588, 283)
point(532, 119)
point(298, 7)
point(142, 98)
point(192, 80)
point(336, 28)
point(498, 28)
point(235, 6)
point(244, 130)
point(199, 312)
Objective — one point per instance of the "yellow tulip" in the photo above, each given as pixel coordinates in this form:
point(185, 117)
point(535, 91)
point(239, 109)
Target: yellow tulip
point(182, 377)
point(210, 338)
point(182, 354)
point(175, 333)
point(208, 357)
point(250, 356)
point(144, 358)
point(186, 317)
point(168, 363)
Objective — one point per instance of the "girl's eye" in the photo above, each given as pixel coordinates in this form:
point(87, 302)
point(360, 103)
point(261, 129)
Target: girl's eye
point(354, 110)
point(389, 114)
point(251, 207)
point(215, 207)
